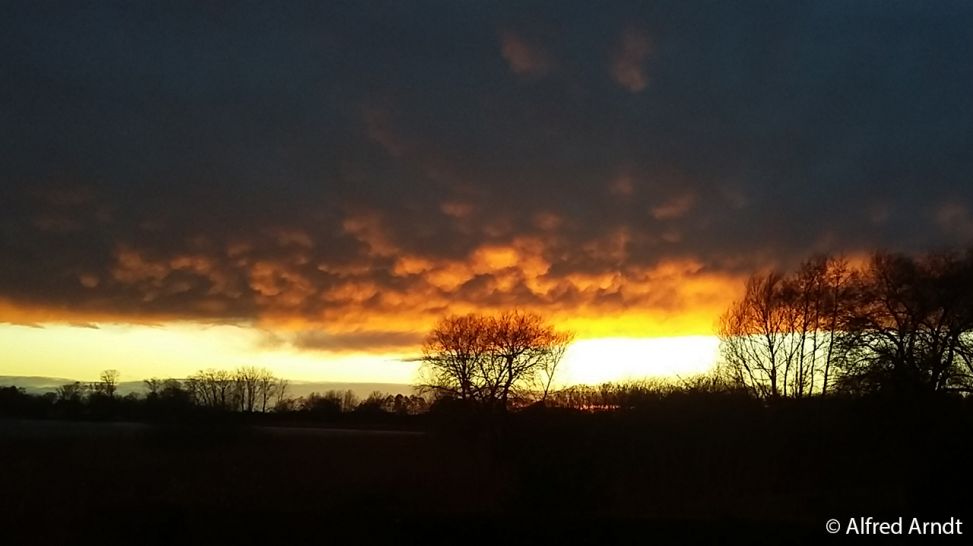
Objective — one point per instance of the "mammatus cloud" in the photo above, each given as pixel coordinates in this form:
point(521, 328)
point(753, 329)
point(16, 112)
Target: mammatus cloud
point(525, 59)
point(371, 341)
point(628, 65)
point(385, 294)
point(621, 178)
point(622, 186)
point(675, 207)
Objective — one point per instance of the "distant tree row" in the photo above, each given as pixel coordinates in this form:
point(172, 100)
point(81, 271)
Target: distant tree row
point(630, 395)
point(106, 386)
point(897, 324)
point(333, 403)
point(244, 390)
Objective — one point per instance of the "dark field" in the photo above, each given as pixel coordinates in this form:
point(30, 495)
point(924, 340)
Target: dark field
point(682, 472)
point(212, 483)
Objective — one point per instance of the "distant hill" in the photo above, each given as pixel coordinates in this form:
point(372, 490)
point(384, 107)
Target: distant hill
point(40, 385)
point(33, 384)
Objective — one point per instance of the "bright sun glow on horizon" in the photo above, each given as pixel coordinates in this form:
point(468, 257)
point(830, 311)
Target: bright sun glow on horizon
point(178, 350)
point(601, 360)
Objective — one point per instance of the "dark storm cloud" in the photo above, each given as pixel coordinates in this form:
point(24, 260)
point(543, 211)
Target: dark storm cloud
point(373, 341)
point(330, 162)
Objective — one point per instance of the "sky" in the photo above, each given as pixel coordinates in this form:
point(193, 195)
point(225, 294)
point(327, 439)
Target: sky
point(310, 186)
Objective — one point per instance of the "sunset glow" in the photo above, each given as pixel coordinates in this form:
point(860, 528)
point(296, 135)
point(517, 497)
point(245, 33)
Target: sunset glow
point(140, 352)
point(600, 360)
point(285, 191)
point(639, 271)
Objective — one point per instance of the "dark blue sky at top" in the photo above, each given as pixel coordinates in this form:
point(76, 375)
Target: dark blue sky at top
point(776, 128)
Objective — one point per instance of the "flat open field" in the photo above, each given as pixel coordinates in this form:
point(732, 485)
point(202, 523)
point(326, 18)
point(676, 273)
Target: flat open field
point(550, 478)
point(172, 484)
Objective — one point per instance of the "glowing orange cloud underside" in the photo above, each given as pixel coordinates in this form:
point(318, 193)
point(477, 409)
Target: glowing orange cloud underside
point(673, 298)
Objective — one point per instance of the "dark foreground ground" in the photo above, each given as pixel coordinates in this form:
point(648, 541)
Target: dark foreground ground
point(680, 474)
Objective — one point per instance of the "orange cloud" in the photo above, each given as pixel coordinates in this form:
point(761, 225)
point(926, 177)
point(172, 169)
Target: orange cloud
point(379, 128)
point(278, 285)
point(29, 314)
point(494, 257)
point(131, 267)
point(449, 276)
point(367, 227)
point(352, 292)
point(524, 58)
point(456, 209)
point(296, 237)
point(622, 186)
point(612, 247)
point(672, 297)
point(547, 221)
point(628, 66)
point(411, 265)
point(276, 281)
point(674, 208)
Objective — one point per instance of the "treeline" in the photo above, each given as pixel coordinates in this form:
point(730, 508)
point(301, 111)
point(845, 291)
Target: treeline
point(896, 325)
point(899, 325)
point(644, 394)
point(212, 392)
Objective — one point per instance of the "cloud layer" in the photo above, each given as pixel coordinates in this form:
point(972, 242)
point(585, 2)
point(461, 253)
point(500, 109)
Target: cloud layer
point(351, 174)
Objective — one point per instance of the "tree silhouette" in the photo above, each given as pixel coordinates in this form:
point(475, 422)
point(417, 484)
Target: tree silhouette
point(212, 388)
point(71, 392)
point(898, 324)
point(754, 336)
point(486, 359)
point(108, 383)
point(910, 325)
point(783, 336)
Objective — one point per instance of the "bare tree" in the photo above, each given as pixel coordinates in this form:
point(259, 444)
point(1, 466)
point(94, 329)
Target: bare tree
point(485, 359)
point(245, 387)
point(900, 323)
point(348, 401)
point(911, 324)
point(376, 401)
point(254, 388)
point(453, 355)
point(803, 295)
point(784, 336)
point(839, 280)
point(559, 343)
point(108, 383)
point(72, 392)
point(267, 386)
point(213, 388)
point(153, 386)
point(816, 297)
point(754, 332)
point(327, 405)
point(280, 392)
